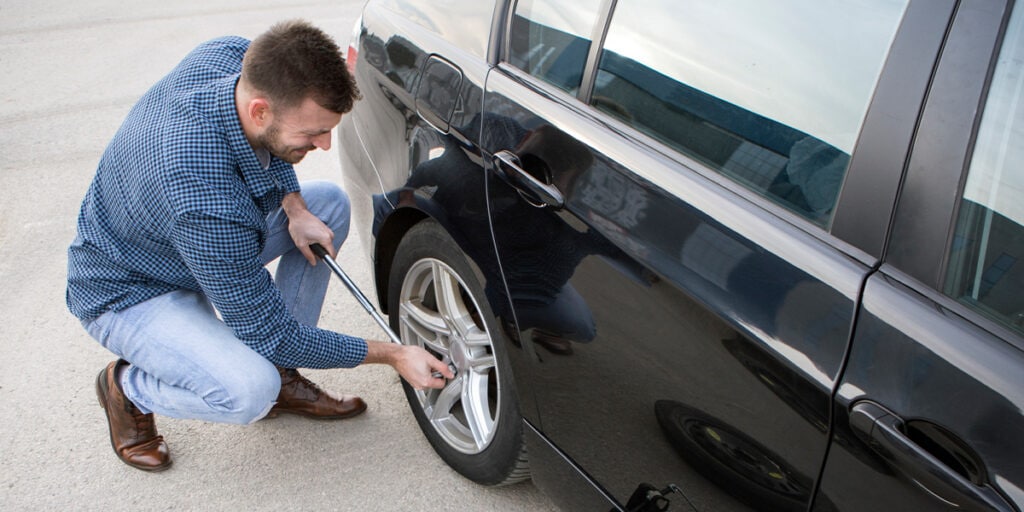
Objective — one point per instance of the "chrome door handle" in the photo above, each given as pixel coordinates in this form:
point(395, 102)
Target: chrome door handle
point(535, 191)
point(883, 432)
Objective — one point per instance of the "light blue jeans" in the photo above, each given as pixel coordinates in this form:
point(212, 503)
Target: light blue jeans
point(186, 363)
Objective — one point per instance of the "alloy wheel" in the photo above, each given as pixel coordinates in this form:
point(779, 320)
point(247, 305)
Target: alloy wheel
point(438, 313)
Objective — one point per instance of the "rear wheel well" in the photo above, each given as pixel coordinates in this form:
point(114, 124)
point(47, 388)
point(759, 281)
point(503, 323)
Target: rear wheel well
point(388, 238)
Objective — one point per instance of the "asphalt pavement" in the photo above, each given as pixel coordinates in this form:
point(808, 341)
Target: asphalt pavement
point(69, 73)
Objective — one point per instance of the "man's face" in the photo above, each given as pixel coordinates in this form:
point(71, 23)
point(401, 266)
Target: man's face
point(293, 132)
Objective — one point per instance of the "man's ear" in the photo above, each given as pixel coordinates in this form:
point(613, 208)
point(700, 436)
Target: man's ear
point(259, 112)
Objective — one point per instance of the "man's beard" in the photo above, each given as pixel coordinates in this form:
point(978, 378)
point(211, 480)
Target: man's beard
point(291, 154)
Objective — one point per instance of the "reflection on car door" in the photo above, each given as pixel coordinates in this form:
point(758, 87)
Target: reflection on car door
point(697, 328)
point(669, 345)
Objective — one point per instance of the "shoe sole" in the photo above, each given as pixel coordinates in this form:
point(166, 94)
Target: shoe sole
point(274, 414)
point(101, 394)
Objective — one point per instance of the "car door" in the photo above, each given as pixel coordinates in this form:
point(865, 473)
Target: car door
point(929, 411)
point(663, 199)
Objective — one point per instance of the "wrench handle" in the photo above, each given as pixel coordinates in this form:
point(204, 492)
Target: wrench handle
point(363, 301)
point(356, 292)
point(319, 251)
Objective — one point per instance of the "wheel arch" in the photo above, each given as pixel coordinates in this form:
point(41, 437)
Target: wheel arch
point(390, 235)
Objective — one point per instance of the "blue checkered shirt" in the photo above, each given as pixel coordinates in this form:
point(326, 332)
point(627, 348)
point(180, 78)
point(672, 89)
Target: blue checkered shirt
point(180, 201)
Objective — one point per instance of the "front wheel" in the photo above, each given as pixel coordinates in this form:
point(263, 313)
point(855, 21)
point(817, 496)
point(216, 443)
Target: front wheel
point(436, 302)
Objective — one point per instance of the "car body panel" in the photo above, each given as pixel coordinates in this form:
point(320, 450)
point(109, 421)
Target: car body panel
point(951, 377)
point(718, 320)
point(392, 51)
point(909, 356)
point(709, 329)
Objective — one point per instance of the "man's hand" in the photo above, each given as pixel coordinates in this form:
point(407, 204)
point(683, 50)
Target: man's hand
point(414, 364)
point(305, 228)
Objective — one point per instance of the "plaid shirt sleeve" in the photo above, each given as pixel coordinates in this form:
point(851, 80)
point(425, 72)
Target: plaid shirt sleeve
point(223, 255)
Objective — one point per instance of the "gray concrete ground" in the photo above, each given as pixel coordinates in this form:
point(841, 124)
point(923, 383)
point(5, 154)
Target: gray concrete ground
point(69, 72)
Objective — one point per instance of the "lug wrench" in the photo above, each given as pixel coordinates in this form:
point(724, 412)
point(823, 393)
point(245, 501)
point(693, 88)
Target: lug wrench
point(321, 253)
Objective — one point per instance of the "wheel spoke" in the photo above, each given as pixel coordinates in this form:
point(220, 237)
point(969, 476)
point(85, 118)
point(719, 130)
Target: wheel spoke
point(428, 326)
point(474, 337)
point(481, 364)
point(438, 347)
point(447, 290)
point(449, 301)
point(446, 400)
point(475, 406)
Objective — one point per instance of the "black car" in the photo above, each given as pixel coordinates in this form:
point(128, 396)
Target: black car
point(728, 255)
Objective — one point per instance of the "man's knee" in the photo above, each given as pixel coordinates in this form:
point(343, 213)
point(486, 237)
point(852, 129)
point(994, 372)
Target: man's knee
point(330, 203)
point(248, 395)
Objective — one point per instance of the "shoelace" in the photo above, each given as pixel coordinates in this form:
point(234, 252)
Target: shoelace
point(143, 422)
point(296, 379)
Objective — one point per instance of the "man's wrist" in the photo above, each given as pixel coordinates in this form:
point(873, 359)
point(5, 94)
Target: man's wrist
point(293, 203)
point(381, 352)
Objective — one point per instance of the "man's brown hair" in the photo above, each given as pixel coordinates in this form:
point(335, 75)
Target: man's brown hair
point(295, 60)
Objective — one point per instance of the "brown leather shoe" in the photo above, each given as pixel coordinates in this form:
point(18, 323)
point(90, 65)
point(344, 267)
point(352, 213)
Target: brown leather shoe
point(132, 434)
point(554, 343)
point(300, 396)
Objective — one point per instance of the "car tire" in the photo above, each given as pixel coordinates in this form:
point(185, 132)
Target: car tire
point(732, 459)
point(474, 423)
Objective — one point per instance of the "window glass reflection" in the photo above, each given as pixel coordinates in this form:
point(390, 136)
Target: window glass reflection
point(771, 94)
point(550, 39)
point(985, 269)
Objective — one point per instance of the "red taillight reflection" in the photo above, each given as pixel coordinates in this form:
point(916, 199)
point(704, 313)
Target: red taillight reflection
point(350, 58)
point(353, 47)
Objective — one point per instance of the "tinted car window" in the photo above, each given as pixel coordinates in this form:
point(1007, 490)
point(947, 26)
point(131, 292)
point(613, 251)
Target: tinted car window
point(550, 39)
point(770, 94)
point(985, 269)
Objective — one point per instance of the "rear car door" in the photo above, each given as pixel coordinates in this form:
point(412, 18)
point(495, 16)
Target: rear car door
point(929, 411)
point(665, 202)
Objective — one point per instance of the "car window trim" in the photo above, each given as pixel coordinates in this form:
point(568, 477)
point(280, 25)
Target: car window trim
point(929, 199)
point(501, 35)
point(597, 38)
point(867, 200)
point(501, 22)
